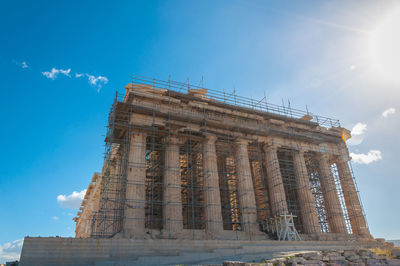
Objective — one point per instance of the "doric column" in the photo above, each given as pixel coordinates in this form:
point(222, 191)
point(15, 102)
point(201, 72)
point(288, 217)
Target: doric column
point(211, 187)
point(173, 220)
point(274, 180)
point(353, 205)
point(334, 211)
point(135, 195)
point(305, 197)
point(247, 199)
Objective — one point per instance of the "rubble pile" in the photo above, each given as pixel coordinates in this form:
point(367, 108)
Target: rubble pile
point(328, 257)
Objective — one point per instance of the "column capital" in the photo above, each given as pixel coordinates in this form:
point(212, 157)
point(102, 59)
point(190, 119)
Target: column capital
point(241, 141)
point(299, 151)
point(170, 139)
point(323, 155)
point(301, 147)
point(210, 137)
point(343, 157)
point(137, 132)
point(261, 139)
point(270, 146)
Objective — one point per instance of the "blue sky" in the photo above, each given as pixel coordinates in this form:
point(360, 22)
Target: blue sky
point(335, 57)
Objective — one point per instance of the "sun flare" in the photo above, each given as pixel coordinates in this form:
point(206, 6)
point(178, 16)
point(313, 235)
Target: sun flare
point(385, 47)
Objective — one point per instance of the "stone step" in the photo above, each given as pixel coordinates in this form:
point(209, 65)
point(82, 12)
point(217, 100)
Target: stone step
point(70, 251)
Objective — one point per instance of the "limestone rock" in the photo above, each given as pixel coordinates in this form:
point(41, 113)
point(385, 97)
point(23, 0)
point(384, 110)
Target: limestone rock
point(396, 253)
point(393, 262)
point(233, 263)
point(313, 256)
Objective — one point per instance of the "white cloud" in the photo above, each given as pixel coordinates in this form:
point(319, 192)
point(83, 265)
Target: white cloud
point(362, 158)
point(71, 201)
point(11, 251)
point(357, 134)
point(54, 73)
point(97, 81)
point(22, 64)
point(359, 129)
point(55, 218)
point(389, 111)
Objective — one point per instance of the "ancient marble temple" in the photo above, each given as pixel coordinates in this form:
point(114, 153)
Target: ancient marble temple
point(185, 162)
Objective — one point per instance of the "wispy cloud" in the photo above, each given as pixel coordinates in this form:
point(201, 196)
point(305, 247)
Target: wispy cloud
point(53, 74)
point(55, 218)
point(357, 134)
point(73, 200)
point(389, 111)
point(22, 64)
point(362, 158)
point(11, 251)
point(94, 81)
point(97, 81)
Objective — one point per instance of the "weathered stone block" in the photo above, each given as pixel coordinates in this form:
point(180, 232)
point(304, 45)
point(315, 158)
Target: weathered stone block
point(233, 263)
point(382, 256)
point(296, 260)
point(349, 253)
point(375, 262)
point(396, 253)
point(337, 263)
point(314, 262)
point(313, 256)
point(393, 262)
point(389, 244)
point(373, 255)
point(267, 264)
point(365, 253)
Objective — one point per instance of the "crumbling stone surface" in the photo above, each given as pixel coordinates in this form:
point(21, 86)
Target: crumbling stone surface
point(234, 263)
point(396, 252)
point(328, 257)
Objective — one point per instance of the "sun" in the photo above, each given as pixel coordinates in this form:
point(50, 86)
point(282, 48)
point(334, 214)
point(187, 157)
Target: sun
point(385, 47)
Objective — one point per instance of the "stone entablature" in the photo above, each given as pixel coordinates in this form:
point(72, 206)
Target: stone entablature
point(190, 113)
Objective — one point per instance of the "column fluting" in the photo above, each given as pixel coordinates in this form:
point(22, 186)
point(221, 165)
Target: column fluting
point(353, 205)
point(212, 197)
point(247, 199)
point(333, 208)
point(173, 219)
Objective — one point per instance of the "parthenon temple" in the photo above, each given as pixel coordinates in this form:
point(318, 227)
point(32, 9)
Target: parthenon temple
point(185, 162)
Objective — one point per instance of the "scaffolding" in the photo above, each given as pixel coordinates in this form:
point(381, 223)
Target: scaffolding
point(315, 185)
point(128, 116)
point(282, 227)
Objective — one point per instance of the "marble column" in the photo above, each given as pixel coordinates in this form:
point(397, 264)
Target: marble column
point(353, 205)
point(305, 197)
point(333, 208)
point(212, 197)
point(173, 219)
point(274, 179)
point(247, 199)
point(135, 195)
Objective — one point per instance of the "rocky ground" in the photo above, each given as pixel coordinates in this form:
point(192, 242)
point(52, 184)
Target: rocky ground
point(331, 257)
